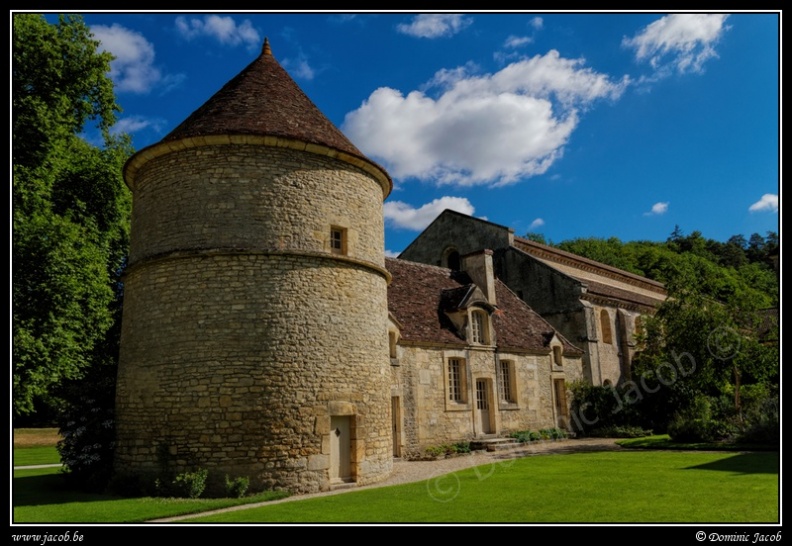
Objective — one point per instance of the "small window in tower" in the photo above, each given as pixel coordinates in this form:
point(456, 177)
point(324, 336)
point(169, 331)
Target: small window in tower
point(337, 240)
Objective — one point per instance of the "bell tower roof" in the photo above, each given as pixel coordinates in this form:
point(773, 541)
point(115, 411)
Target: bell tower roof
point(262, 105)
point(263, 100)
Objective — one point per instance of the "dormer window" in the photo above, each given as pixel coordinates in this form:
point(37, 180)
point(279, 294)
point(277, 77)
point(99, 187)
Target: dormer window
point(479, 328)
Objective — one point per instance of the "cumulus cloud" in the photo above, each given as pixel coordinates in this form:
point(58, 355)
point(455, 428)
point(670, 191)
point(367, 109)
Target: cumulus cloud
point(391, 254)
point(683, 41)
point(769, 202)
point(404, 215)
point(224, 29)
point(435, 25)
point(133, 68)
point(536, 224)
point(657, 209)
point(480, 129)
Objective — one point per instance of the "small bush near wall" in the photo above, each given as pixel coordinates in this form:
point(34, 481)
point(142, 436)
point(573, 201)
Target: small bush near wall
point(237, 487)
point(185, 485)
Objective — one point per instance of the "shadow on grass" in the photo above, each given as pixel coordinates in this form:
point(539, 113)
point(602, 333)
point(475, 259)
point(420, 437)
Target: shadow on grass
point(49, 489)
point(744, 463)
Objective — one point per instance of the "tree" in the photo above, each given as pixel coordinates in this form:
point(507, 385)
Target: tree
point(70, 208)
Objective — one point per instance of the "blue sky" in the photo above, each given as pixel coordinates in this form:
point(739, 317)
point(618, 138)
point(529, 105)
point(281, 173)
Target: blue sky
point(565, 124)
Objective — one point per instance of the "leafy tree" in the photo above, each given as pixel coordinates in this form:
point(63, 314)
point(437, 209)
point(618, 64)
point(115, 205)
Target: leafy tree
point(536, 237)
point(70, 208)
point(709, 361)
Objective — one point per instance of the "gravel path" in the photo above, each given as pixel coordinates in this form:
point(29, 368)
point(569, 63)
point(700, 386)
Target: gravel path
point(413, 471)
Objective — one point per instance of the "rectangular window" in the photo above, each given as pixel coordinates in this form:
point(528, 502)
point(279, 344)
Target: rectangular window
point(337, 240)
point(455, 380)
point(477, 327)
point(506, 382)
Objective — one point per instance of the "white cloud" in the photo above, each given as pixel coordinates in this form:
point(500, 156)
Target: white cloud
point(537, 23)
point(133, 124)
point(482, 129)
point(681, 41)
point(299, 69)
point(435, 25)
point(391, 254)
point(517, 41)
point(224, 29)
point(133, 68)
point(769, 201)
point(536, 224)
point(403, 215)
point(657, 209)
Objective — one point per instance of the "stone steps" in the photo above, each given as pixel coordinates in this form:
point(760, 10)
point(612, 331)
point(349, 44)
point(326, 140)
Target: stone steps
point(494, 444)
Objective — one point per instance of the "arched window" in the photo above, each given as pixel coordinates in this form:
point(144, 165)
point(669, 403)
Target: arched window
point(451, 259)
point(605, 325)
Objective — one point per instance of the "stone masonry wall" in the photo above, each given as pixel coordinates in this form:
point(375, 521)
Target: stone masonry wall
point(242, 333)
point(242, 197)
point(430, 419)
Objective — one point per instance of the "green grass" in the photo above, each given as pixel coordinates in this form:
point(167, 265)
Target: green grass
point(609, 487)
point(26, 456)
point(39, 496)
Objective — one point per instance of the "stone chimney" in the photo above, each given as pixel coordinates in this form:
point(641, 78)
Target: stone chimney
point(479, 266)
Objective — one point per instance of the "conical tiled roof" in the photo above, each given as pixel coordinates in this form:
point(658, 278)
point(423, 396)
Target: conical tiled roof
point(263, 100)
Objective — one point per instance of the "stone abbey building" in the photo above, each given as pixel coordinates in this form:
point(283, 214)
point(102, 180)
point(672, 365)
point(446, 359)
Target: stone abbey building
point(266, 335)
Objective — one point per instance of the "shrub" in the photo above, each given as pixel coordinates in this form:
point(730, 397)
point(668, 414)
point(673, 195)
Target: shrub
point(190, 484)
point(87, 427)
point(762, 425)
point(619, 432)
point(693, 430)
point(237, 487)
point(552, 434)
point(525, 436)
point(185, 485)
point(434, 452)
point(696, 423)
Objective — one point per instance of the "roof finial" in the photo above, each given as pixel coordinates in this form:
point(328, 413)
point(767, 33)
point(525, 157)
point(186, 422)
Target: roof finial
point(266, 49)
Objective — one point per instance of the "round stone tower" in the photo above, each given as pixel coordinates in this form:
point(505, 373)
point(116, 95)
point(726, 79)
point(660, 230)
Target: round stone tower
point(254, 338)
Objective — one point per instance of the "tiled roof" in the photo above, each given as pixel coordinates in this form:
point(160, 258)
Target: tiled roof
point(418, 292)
point(263, 100)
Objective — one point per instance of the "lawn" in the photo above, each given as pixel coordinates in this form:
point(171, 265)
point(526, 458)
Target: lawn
point(614, 487)
point(608, 487)
point(39, 497)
